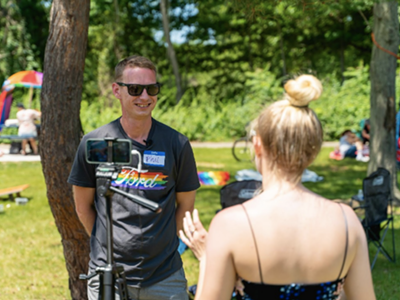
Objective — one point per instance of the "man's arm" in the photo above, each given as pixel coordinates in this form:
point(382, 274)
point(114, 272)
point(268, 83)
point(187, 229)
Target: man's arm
point(184, 203)
point(84, 206)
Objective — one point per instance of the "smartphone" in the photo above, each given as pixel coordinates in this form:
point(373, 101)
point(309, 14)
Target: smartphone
point(108, 150)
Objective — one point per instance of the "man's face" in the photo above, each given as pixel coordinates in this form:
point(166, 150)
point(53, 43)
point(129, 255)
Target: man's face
point(136, 107)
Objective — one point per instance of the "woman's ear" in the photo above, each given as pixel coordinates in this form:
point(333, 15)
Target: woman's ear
point(257, 145)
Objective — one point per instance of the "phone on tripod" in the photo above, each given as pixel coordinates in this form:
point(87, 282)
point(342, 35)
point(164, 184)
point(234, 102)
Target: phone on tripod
point(108, 153)
point(108, 150)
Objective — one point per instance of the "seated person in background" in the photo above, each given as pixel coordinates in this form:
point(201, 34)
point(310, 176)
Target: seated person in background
point(27, 127)
point(287, 242)
point(365, 132)
point(351, 146)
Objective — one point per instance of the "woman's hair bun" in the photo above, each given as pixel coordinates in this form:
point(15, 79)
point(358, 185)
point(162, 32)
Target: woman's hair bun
point(303, 90)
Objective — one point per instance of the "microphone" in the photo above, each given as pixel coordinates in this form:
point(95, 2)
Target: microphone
point(148, 142)
point(154, 206)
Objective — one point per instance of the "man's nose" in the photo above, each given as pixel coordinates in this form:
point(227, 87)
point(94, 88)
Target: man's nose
point(144, 95)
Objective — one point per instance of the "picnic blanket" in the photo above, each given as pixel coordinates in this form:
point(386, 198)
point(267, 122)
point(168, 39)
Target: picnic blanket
point(213, 177)
point(307, 176)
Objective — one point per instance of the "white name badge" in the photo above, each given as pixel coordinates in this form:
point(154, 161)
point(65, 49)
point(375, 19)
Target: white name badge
point(154, 158)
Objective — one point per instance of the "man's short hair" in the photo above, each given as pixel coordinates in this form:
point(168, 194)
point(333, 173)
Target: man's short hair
point(134, 61)
point(20, 105)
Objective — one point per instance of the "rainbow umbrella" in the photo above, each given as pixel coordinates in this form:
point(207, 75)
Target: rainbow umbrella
point(29, 79)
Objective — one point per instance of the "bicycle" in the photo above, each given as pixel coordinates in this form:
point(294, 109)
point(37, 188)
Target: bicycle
point(242, 147)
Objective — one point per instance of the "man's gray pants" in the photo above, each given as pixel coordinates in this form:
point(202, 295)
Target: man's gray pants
point(171, 288)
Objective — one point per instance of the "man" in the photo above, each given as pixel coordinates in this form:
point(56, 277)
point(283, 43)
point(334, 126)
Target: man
point(145, 243)
point(27, 128)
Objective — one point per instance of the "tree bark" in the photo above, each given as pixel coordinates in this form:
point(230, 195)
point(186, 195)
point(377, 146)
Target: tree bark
point(282, 49)
point(383, 92)
point(60, 128)
point(171, 51)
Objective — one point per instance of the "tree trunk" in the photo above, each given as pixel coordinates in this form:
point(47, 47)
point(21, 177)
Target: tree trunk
point(282, 50)
point(60, 128)
point(383, 92)
point(171, 51)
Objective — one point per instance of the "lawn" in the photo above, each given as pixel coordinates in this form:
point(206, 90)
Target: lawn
point(32, 262)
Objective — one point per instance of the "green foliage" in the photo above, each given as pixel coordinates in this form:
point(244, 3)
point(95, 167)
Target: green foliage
point(23, 34)
point(343, 107)
point(95, 115)
point(233, 60)
point(201, 118)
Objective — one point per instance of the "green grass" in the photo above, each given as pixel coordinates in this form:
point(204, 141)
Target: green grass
point(32, 264)
point(31, 260)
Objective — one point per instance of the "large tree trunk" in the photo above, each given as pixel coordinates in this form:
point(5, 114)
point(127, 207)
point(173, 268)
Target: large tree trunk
point(383, 91)
point(60, 128)
point(171, 51)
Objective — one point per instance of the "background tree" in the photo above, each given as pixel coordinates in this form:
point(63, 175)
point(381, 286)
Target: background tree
point(170, 49)
point(383, 91)
point(60, 128)
point(23, 32)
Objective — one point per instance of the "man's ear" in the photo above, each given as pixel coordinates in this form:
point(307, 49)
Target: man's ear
point(257, 145)
point(116, 90)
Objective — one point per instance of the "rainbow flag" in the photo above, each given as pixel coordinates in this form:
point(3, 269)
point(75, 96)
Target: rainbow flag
point(213, 177)
point(5, 106)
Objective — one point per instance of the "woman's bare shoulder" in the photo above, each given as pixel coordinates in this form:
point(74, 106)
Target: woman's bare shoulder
point(352, 220)
point(229, 219)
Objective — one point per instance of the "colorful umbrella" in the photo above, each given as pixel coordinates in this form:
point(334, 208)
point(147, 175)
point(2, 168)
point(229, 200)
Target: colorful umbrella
point(30, 79)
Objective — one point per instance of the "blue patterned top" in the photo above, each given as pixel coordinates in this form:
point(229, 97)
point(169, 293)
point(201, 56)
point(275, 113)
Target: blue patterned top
point(320, 291)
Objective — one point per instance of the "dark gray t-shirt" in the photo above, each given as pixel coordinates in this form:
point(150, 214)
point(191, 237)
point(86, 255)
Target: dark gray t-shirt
point(145, 242)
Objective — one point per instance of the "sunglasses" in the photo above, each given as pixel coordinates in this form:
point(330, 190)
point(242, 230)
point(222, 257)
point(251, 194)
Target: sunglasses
point(137, 89)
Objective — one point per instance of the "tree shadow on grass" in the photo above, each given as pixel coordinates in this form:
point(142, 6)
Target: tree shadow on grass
point(342, 179)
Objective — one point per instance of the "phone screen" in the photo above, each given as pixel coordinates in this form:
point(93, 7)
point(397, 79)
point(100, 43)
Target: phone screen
point(97, 151)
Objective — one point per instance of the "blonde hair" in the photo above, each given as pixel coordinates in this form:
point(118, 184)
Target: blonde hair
point(290, 131)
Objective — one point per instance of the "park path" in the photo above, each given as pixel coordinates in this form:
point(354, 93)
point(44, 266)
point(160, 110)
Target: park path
point(6, 157)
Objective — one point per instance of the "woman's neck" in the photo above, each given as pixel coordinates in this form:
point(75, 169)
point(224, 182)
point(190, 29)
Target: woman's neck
point(275, 183)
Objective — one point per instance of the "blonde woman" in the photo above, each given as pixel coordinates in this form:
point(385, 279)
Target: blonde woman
point(287, 242)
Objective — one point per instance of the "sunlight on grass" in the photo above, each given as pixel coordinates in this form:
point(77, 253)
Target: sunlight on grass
point(32, 261)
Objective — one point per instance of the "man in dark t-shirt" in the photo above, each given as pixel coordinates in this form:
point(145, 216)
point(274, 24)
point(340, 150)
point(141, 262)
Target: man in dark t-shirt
point(145, 242)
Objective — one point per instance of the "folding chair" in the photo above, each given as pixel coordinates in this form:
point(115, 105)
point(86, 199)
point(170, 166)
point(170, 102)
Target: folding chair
point(238, 192)
point(378, 211)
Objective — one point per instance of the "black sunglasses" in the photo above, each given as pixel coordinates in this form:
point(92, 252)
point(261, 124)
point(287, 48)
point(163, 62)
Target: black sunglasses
point(137, 89)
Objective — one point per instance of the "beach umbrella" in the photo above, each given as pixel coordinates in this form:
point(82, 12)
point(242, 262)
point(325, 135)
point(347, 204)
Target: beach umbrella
point(29, 79)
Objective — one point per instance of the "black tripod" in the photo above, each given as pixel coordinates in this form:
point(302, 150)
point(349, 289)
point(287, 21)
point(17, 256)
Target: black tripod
point(112, 274)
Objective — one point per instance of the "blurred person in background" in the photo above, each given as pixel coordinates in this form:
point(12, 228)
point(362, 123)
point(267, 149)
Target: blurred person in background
point(27, 128)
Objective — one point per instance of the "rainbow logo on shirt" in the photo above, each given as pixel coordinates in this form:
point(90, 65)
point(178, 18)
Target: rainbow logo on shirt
point(145, 180)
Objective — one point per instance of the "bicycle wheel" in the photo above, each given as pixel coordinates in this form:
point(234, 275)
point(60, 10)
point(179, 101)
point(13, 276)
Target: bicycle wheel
point(241, 149)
